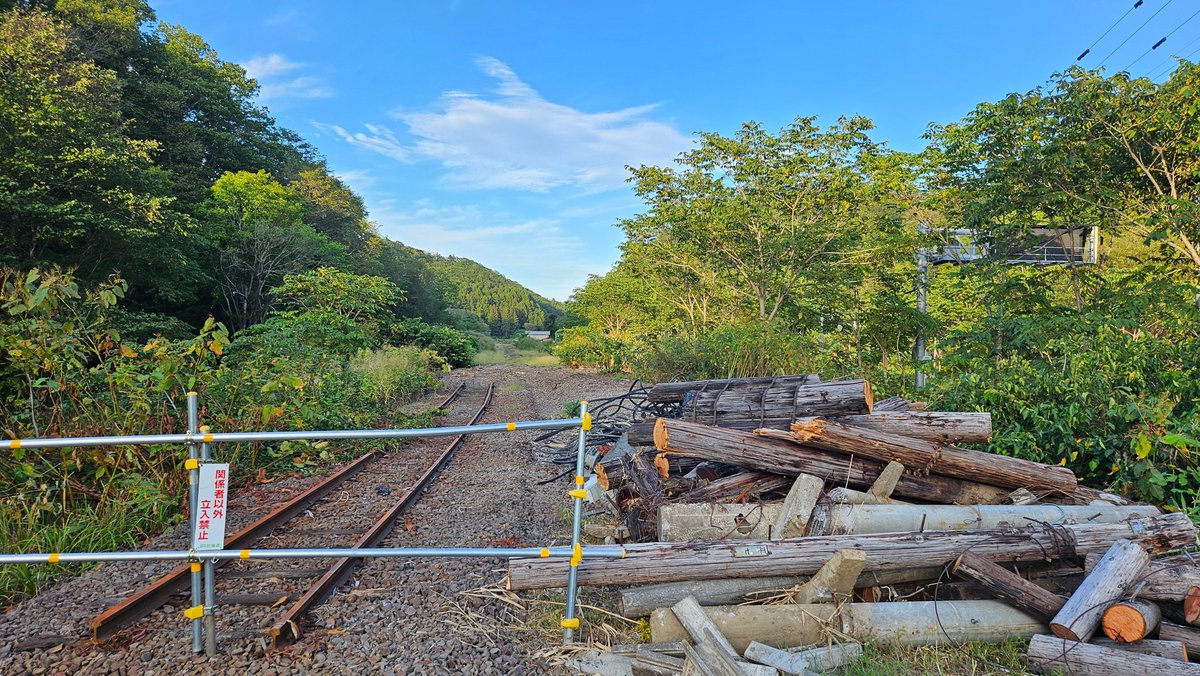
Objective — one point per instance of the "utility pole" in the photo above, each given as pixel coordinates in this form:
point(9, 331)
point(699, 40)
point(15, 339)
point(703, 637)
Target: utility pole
point(919, 354)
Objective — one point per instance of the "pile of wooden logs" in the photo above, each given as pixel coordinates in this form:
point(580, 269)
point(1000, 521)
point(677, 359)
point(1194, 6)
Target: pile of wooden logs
point(779, 523)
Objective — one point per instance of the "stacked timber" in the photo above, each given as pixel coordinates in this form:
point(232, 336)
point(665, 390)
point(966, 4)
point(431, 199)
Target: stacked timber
point(777, 524)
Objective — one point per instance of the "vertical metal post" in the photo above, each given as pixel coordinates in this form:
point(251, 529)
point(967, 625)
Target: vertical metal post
point(210, 581)
point(570, 622)
point(193, 422)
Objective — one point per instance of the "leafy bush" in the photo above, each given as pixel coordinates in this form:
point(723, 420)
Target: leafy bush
point(395, 375)
point(586, 346)
point(456, 347)
point(67, 371)
point(525, 343)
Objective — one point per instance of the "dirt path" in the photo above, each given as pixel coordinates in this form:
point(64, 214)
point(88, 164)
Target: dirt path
point(396, 616)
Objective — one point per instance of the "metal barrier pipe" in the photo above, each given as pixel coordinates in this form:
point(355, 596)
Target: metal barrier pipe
point(302, 435)
point(603, 552)
point(193, 470)
point(570, 622)
point(210, 582)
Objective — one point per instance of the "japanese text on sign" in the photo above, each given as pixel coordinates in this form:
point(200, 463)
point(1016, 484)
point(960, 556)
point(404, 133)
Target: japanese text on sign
point(211, 507)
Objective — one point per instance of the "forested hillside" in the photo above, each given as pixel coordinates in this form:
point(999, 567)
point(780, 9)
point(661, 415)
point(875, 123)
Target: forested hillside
point(793, 251)
point(505, 306)
point(160, 233)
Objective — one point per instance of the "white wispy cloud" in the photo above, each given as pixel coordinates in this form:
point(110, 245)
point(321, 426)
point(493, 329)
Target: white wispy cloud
point(380, 140)
point(516, 139)
point(538, 253)
point(277, 79)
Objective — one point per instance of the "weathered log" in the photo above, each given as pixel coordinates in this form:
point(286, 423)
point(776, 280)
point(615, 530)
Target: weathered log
point(1008, 586)
point(640, 601)
point(749, 486)
point(934, 426)
point(911, 623)
point(837, 519)
point(1121, 566)
point(777, 406)
point(895, 405)
point(797, 507)
point(641, 433)
point(923, 456)
point(1172, 650)
point(1191, 605)
point(1052, 655)
point(1166, 579)
point(1129, 621)
point(782, 456)
point(819, 660)
point(669, 393)
point(702, 521)
point(1189, 636)
point(615, 473)
point(663, 562)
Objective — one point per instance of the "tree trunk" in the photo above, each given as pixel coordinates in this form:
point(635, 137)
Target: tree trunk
point(896, 404)
point(748, 486)
point(668, 393)
point(1191, 606)
point(663, 562)
point(1051, 655)
point(1121, 566)
point(1172, 650)
point(778, 406)
point(1189, 636)
point(1166, 579)
point(1008, 586)
point(1129, 621)
point(937, 427)
point(922, 456)
point(790, 458)
point(912, 623)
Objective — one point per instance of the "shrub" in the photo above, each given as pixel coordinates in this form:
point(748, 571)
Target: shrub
point(524, 342)
point(395, 375)
point(456, 347)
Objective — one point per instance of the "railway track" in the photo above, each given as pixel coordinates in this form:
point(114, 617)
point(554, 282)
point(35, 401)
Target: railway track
point(269, 599)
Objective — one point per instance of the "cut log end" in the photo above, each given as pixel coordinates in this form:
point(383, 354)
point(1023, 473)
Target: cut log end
point(868, 396)
point(1191, 606)
point(1125, 623)
point(660, 434)
point(663, 465)
point(601, 476)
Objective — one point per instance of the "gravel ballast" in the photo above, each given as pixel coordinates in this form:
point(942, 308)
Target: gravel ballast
point(395, 616)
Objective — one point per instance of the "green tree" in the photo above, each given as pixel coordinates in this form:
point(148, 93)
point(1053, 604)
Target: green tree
point(73, 186)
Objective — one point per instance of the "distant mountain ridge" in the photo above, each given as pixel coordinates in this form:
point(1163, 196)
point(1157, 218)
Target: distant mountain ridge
point(503, 304)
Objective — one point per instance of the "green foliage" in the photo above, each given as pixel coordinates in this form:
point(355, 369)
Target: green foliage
point(505, 306)
point(456, 347)
point(396, 375)
point(68, 371)
point(70, 175)
point(465, 320)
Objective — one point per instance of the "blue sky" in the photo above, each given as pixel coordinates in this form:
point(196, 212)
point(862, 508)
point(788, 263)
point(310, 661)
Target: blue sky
point(500, 131)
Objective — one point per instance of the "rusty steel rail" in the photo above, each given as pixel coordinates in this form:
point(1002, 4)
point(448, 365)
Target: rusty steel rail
point(453, 395)
point(287, 630)
point(155, 595)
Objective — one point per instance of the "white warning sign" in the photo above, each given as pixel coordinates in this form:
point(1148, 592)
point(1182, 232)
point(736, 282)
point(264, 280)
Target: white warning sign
point(210, 509)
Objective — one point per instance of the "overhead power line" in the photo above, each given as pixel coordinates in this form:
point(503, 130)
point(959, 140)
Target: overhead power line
point(1161, 40)
point(1139, 30)
point(1105, 34)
